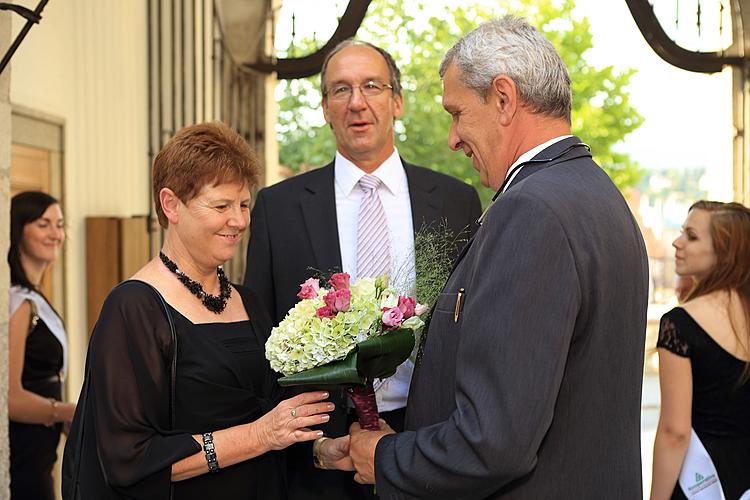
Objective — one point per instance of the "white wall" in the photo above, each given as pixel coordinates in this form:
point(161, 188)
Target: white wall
point(86, 64)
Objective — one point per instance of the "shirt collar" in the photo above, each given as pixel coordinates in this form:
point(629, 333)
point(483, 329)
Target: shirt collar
point(531, 153)
point(346, 174)
point(513, 171)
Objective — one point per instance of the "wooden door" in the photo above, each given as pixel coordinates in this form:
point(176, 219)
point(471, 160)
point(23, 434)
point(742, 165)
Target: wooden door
point(30, 171)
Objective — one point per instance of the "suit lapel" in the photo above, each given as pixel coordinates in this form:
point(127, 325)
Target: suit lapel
point(554, 154)
point(318, 203)
point(425, 206)
point(551, 156)
point(559, 151)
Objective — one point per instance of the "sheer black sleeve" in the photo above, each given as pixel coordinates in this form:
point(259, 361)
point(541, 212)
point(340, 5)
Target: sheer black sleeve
point(130, 358)
point(670, 337)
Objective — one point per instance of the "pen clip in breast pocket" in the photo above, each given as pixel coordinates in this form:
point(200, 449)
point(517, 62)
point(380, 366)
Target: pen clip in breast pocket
point(452, 303)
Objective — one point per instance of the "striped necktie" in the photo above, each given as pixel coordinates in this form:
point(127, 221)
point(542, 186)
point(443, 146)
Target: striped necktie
point(373, 245)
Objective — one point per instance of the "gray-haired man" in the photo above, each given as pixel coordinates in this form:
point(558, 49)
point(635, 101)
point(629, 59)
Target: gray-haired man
point(530, 380)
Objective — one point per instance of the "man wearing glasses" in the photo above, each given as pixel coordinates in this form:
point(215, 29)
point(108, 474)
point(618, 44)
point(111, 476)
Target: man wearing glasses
point(358, 214)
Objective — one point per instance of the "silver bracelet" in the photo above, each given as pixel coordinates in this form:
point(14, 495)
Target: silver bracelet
point(208, 447)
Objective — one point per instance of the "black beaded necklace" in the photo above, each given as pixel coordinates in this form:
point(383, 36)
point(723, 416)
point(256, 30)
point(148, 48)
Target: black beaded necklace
point(214, 303)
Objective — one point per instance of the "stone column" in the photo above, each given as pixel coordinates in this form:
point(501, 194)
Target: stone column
point(5, 38)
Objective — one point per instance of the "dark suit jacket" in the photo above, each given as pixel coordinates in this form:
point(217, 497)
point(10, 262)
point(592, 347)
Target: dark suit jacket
point(293, 229)
point(535, 391)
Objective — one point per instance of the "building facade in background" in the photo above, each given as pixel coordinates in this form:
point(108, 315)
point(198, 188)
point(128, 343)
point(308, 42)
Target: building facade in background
point(96, 89)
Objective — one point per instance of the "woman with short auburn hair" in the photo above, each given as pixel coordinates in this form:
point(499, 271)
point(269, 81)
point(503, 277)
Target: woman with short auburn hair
point(210, 424)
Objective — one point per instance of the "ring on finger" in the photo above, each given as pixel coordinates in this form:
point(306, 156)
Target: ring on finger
point(294, 412)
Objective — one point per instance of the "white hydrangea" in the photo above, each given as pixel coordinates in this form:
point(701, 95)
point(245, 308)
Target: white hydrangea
point(303, 341)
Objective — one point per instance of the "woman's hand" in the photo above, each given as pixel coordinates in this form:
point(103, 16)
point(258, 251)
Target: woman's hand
point(284, 425)
point(288, 423)
point(66, 411)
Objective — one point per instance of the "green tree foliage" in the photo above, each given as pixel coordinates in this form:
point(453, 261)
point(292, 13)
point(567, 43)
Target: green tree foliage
point(418, 34)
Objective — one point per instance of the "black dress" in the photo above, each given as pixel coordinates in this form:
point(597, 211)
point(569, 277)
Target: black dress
point(223, 379)
point(33, 447)
point(721, 406)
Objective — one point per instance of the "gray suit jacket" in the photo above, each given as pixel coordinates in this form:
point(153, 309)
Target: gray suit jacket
point(534, 390)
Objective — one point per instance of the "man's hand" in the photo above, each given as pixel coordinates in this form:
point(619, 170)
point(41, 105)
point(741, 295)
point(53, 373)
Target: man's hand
point(335, 454)
point(362, 450)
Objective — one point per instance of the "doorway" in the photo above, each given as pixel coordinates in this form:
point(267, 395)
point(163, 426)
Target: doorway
point(36, 165)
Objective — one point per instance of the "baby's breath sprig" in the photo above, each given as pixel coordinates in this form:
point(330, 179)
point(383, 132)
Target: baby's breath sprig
point(436, 248)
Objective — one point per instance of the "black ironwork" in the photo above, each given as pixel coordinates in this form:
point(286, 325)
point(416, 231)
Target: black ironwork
point(294, 32)
point(302, 67)
point(667, 49)
point(698, 18)
point(32, 17)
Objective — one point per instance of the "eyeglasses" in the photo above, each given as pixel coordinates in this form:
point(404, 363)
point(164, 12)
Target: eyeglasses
point(344, 92)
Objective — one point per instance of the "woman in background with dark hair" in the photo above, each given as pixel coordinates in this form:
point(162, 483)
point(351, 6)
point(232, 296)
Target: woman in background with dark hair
point(37, 348)
point(703, 437)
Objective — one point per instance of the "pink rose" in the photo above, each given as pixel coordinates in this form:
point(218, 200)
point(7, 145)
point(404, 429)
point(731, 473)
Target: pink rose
point(309, 289)
point(343, 298)
point(406, 304)
point(338, 300)
point(392, 316)
point(339, 281)
point(324, 312)
point(420, 309)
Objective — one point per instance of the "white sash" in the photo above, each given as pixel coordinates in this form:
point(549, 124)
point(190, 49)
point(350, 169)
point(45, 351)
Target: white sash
point(18, 294)
point(698, 477)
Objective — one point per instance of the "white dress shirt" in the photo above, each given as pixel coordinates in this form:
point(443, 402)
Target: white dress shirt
point(394, 194)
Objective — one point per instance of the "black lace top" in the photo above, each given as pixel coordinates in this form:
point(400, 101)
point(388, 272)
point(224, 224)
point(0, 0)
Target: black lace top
point(720, 406)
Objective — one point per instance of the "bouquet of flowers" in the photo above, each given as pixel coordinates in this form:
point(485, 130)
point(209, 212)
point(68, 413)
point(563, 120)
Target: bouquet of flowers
point(345, 334)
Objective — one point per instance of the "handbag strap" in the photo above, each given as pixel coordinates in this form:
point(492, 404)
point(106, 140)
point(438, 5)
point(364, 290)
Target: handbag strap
point(172, 376)
point(173, 357)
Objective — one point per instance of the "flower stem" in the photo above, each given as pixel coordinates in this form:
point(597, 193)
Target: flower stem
point(364, 401)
